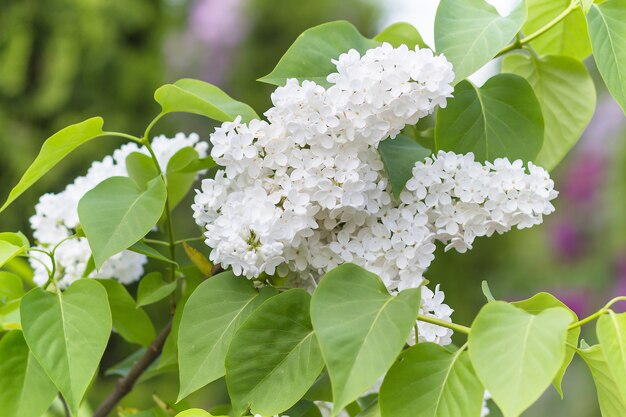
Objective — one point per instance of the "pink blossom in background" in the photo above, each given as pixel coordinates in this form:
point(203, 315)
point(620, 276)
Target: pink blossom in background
point(567, 241)
point(217, 22)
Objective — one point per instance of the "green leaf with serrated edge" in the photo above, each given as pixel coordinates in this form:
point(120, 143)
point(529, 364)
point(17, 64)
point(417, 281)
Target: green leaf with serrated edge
point(517, 354)
point(25, 389)
point(611, 330)
point(401, 33)
point(607, 28)
point(150, 252)
point(68, 333)
point(214, 311)
point(132, 323)
point(612, 404)
point(567, 97)
point(117, 213)
point(179, 182)
point(53, 150)
point(202, 98)
point(483, 33)
point(569, 37)
point(152, 288)
point(11, 287)
point(274, 350)
point(431, 381)
point(543, 301)
point(500, 119)
point(361, 328)
point(141, 168)
point(309, 57)
point(399, 156)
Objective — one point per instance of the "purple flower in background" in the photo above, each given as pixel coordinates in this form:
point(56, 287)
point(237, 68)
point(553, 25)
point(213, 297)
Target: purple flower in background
point(583, 178)
point(620, 284)
point(566, 240)
point(576, 299)
point(217, 22)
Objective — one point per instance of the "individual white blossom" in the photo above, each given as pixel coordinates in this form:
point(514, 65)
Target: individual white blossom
point(56, 217)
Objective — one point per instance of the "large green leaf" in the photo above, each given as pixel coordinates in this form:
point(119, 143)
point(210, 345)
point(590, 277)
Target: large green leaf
point(541, 302)
point(25, 389)
point(153, 288)
point(213, 313)
point(8, 251)
point(361, 328)
point(431, 381)
point(569, 37)
point(567, 97)
point(517, 354)
point(118, 212)
point(471, 32)
point(607, 28)
point(399, 156)
point(309, 57)
point(132, 323)
point(68, 333)
point(274, 351)
point(611, 330)
point(612, 404)
point(54, 149)
point(500, 119)
point(401, 33)
point(199, 97)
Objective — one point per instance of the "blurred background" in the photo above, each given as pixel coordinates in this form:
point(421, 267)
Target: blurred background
point(62, 61)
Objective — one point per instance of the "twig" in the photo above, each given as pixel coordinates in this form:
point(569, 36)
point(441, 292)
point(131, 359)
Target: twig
point(125, 385)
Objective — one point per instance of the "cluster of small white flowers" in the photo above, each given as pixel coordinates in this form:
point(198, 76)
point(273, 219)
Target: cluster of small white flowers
point(56, 217)
point(306, 191)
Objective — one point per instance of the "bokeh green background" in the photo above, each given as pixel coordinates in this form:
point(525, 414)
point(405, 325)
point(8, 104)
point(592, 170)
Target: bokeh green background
point(62, 61)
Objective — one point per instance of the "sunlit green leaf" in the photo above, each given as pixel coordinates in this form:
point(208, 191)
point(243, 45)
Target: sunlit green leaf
point(11, 287)
point(611, 330)
point(54, 149)
point(401, 33)
point(68, 333)
point(118, 212)
point(361, 328)
point(141, 168)
point(25, 389)
point(274, 351)
point(309, 57)
point(471, 32)
point(612, 404)
point(500, 119)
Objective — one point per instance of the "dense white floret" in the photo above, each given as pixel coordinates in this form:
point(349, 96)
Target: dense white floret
point(56, 217)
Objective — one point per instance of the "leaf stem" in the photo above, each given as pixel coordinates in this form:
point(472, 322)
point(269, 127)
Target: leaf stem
point(521, 42)
point(123, 135)
point(452, 326)
point(155, 241)
point(598, 313)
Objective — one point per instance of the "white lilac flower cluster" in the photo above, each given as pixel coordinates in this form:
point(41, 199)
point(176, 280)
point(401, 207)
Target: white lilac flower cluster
point(306, 191)
point(56, 217)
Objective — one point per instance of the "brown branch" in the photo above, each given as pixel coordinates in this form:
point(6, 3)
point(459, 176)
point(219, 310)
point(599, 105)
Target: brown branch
point(217, 268)
point(125, 385)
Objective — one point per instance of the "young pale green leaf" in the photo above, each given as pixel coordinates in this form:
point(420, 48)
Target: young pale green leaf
point(401, 33)
point(569, 37)
point(17, 239)
point(11, 287)
point(199, 97)
point(54, 149)
point(567, 97)
point(25, 389)
point(118, 212)
point(213, 313)
point(274, 351)
point(611, 330)
point(361, 328)
point(8, 251)
point(309, 57)
point(541, 302)
point(10, 316)
point(399, 156)
point(196, 412)
point(607, 28)
point(612, 403)
point(132, 323)
point(500, 119)
point(471, 32)
point(141, 168)
point(517, 354)
point(68, 333)
point(198, 259)
point(179, 181)
point(150, 252)
point(431, 381)
point(152, 289)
